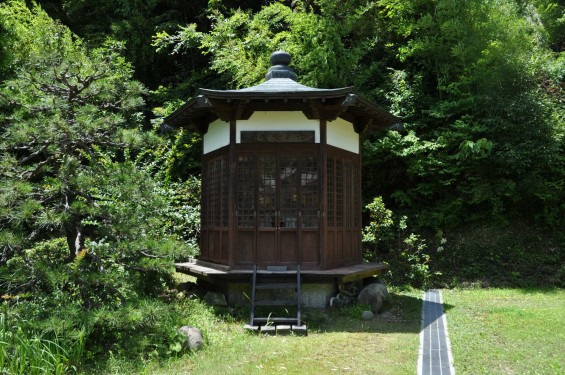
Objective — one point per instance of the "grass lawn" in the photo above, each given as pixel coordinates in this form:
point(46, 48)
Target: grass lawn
point(338, 342)
point(492, 331)
point(506, 331)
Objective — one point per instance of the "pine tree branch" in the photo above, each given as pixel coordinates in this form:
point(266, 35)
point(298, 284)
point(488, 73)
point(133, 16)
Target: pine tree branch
point(8, 99)
point(29, 174)
point(151, 256)
point(33, 155)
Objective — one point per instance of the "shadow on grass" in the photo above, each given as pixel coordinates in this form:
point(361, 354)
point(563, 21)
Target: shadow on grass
point(537, 290)
point(400, 314)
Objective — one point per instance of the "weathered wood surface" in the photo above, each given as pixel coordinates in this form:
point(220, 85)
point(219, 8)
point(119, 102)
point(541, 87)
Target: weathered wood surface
point(344, 274)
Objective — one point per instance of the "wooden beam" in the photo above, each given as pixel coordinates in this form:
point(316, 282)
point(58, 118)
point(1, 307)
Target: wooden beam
point(323, 207)
point(232, 196)
point(361, 124)
point(222, 109)
point(373, 271)
point(201, 125)
point(312, 109)
point(331, 112)
point(240, 108)
point(202, 101)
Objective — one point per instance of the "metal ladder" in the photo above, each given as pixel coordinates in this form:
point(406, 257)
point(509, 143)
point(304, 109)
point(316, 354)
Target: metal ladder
point(272, 282)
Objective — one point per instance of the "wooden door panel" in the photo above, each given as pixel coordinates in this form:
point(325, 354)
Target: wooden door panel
point(266, 247)
point(287, 243)
point(244, 248)
point(309, 246)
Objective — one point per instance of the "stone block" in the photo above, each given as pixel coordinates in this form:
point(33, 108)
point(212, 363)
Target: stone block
point(283, 329)
point(300, 330)
point(269, 330)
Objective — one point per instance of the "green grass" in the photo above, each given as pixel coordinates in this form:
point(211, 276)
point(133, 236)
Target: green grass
point(30, 354)
point(492, 331)
point(338, 342)
point(507, 331)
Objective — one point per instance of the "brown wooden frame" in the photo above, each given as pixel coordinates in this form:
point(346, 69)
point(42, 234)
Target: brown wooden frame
point(324, 247)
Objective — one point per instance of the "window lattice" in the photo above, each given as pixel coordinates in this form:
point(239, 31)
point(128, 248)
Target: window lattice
point(216, 188)
point(267, 191)
point(224, 198)
point(309, 186)
point(331, 192)
point(278, 136)
point(246, 191)
point(356, 198)
point(339, 198)
point(343, 193)
point(288, 174)
point(348, 193)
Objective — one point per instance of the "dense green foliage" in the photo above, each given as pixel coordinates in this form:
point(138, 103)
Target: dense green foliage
point(89, 228)
point(96, 202)
point(479, 87)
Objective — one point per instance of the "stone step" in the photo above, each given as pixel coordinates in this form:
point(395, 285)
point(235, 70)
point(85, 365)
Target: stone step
point(276, 302)
point(276, 286)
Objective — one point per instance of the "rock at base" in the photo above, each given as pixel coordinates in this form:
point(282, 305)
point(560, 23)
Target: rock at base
point(250, 328)
point(301, 330)
point(194, 337)
point(374, 295)
point(367, 315)
point(215, 299)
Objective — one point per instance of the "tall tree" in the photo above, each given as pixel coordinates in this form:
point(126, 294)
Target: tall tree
point(484, 131)
point(327, 40)
point(133, 22)
point(63, 103)
point(69, 131)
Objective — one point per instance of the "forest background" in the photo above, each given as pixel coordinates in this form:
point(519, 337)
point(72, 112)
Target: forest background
point(97, 200)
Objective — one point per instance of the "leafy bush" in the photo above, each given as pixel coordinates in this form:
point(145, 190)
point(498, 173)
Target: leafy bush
point(88, 234)
point(387, 239)
point(493, 254)
point(72, 339)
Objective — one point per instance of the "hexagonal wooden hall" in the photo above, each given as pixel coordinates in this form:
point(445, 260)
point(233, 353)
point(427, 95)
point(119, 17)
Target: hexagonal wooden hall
point(281, 172)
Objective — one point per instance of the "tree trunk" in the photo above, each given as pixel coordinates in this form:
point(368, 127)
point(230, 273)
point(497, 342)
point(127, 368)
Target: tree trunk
point(75, 241)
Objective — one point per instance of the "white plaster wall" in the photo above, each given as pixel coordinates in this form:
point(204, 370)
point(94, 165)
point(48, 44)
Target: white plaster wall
point(217, 136)
point(341, 134)
point(278, 121)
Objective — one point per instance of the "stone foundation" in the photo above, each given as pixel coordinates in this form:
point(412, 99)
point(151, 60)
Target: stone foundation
point(315, 295)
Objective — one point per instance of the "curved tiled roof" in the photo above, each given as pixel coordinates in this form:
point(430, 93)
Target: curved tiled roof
point(280, 92)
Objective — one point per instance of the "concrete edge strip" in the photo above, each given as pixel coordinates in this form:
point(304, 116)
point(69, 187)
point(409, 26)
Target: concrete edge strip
point(421, 347)
point(448, 343)
point(422, 329)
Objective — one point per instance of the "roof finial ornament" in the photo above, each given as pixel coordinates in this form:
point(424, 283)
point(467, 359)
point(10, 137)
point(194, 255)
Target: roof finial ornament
point(280, 69)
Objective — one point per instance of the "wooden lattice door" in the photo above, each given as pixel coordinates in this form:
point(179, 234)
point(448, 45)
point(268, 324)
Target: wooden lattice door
point(277, 208)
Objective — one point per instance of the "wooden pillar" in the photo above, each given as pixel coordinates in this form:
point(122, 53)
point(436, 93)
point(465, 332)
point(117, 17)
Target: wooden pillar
point(323, 221)
point(232, 222)
point(203, 241)
point(359, 208)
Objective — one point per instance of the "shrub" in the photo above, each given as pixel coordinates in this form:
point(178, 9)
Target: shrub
point(387, 239)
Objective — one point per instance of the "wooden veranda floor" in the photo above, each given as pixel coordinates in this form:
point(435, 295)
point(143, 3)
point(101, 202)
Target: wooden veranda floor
point(212, 272)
